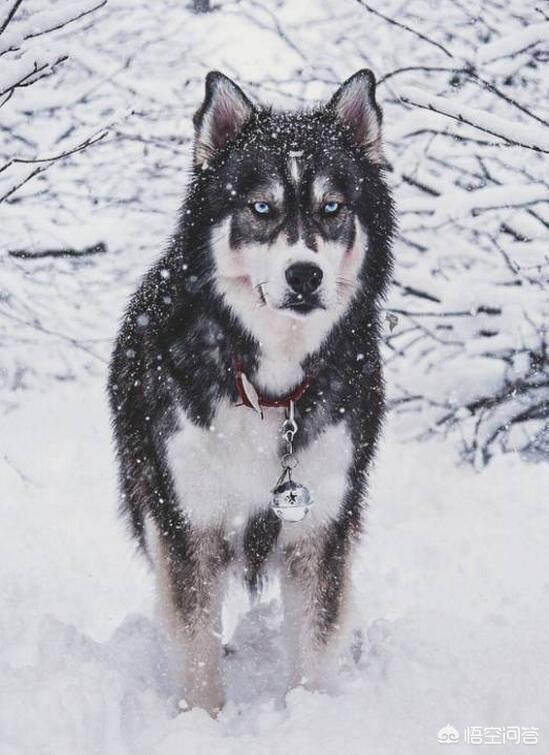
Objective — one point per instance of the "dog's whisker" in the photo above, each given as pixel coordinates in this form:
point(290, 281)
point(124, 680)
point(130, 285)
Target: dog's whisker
point(344, 287)
point(259, 287)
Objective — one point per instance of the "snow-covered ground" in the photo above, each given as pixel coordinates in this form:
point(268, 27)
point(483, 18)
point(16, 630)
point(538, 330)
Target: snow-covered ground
point(452, 595)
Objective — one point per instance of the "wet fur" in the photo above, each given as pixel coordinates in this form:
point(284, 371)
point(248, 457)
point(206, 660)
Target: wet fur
point(173, 368)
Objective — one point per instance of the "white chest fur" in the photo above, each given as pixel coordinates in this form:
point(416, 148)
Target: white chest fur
point(224, 474)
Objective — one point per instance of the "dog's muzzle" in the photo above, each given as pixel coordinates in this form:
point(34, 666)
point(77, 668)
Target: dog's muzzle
point(304, 279)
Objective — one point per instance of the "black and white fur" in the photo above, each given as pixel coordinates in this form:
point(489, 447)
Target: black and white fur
point(196, 470)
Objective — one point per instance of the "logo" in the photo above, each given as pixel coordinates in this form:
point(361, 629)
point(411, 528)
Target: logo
point(490, 735)
point(448, 735)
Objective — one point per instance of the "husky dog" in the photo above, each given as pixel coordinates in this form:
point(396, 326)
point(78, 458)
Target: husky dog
point(274, 277)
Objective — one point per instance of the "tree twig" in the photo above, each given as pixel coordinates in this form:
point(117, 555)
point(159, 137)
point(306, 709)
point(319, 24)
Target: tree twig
point(10, 15)
point(400, 25)
point(88, 251)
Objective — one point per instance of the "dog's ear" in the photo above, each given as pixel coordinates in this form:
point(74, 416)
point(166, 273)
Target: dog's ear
point(224, 112)
point(355, 107)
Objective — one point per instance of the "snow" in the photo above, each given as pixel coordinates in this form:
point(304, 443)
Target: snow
point(454, 203)
point(451, 594)
point(514, 43)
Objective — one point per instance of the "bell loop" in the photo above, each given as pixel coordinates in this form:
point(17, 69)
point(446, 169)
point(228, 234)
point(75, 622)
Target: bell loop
point(289, 428)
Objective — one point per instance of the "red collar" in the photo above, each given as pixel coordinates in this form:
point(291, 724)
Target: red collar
point(284, 401)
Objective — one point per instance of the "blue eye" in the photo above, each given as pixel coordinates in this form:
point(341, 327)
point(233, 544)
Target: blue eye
point(261, 208)
point(330, 208)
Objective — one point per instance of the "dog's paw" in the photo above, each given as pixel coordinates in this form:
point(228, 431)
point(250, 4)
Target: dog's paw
point(210, 699)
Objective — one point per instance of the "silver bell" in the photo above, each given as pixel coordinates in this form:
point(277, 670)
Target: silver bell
point(291, 501)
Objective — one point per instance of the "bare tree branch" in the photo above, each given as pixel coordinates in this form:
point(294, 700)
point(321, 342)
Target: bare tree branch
point(24, 254)
point(407, 28)
point(12, 11)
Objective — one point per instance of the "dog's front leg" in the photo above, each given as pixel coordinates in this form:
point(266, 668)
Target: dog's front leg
point(315, 587)
point(191, 590)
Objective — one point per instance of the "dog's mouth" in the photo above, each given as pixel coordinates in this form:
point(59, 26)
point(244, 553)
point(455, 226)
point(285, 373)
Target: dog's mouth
point(295, 304)
point(301, 305)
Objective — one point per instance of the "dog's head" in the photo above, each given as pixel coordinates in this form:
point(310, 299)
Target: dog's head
point(291, 198)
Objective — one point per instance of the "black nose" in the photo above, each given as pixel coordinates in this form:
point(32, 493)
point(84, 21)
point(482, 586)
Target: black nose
point(304, 277)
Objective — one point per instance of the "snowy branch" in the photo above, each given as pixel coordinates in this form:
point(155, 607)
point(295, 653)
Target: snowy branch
point(517, 134)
